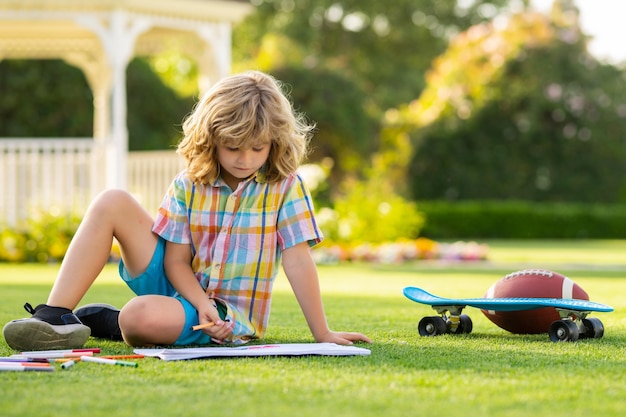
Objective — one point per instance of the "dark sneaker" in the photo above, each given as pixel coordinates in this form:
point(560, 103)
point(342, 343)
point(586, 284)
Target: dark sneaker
point(102, 319)
point(48, 328)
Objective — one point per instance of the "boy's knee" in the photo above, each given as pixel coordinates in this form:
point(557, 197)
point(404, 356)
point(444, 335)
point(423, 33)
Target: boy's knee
point(105, 200)
point(152, 320)
point(113, 206)
point(134, 320)
point(113, 197)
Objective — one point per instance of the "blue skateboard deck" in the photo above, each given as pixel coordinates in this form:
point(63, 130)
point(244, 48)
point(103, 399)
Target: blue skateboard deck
point(573, 312)
point(505, 304)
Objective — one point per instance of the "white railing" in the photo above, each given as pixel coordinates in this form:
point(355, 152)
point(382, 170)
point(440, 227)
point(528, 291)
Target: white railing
point(150, 174)
point(63, 175)
point(53, 174)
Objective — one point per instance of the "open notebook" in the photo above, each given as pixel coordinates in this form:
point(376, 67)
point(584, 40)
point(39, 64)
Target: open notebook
point(283, 349)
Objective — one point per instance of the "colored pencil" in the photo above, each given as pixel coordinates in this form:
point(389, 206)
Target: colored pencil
point(56, 354)
point(105, 361)
point(44, 364)
point(43, 352)
point(22, 368)
point(123, 356)
point(14, 359)
point(202, 326)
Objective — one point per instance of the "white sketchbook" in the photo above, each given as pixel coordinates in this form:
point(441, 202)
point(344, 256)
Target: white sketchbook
point(283, 349)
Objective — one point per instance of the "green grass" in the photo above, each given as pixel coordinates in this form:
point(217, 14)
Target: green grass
point(487, 373)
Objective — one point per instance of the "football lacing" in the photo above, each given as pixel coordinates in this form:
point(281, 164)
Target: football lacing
point(543, 272)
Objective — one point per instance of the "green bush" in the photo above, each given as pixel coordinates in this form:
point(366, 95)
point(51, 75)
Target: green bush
point(369, 212)
point(521, 220)
point(44, 237)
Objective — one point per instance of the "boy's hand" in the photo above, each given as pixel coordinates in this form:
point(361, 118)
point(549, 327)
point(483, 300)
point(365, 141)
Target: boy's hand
point(220, 330)
point(343, 338)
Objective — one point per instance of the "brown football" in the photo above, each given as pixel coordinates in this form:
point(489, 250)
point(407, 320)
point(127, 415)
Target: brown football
point(531, 283)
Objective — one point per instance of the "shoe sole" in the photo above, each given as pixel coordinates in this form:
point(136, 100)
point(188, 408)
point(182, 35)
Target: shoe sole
point(33, 334)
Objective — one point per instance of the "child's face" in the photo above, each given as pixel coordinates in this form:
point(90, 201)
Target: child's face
point(237, 164)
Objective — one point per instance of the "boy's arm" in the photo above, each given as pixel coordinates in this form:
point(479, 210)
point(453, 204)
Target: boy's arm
point(177, 264)
point(302, 275)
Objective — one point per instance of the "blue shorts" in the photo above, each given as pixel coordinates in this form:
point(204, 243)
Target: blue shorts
point(154, 281)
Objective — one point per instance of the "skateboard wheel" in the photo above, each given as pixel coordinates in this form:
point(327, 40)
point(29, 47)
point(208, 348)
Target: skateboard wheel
point(466, 324)
point(563, 331)
point(432, 326)
point(594, 329)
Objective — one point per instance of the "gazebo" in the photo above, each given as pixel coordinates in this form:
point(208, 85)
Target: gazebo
point(101, 36)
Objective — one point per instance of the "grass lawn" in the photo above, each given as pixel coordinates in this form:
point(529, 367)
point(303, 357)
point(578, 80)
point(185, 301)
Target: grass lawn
point(486, 373)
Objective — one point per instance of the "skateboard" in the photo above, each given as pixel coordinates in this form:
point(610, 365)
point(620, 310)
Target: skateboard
point(573, 324)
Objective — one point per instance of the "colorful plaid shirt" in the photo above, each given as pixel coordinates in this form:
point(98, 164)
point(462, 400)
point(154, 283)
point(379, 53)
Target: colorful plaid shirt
point(237, 239)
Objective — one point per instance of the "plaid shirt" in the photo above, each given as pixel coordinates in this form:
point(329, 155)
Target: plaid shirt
point(237, 239)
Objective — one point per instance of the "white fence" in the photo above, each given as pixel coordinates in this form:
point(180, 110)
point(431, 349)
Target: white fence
point(63, 175)
point(149, 175)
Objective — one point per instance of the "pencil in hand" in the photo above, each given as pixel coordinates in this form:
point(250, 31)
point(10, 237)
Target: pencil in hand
point(202, 326)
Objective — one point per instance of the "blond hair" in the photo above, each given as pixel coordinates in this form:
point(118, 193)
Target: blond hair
point(244, 110)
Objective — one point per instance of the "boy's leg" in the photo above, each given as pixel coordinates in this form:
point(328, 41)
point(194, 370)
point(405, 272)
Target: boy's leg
point(113, 213)
point(152, 320)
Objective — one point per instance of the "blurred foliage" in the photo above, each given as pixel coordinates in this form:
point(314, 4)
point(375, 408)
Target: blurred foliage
point(344, 132)
point(364, 211)
point(520, 111)
point(44, 237)
point(369, 211)
point(155, 112)
point(178, 71)
point(383, 46)
point(514, 219)
point(348, 61)
point(35, 96)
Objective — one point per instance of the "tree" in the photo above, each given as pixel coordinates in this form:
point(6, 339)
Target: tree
point(384, 46)
point(348, 61)
point(520, 112)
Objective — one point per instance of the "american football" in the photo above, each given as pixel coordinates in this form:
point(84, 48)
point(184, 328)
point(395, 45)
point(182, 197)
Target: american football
point(531, 283)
